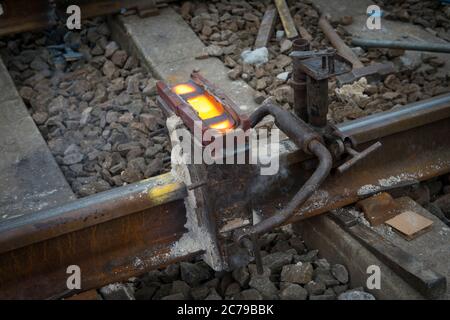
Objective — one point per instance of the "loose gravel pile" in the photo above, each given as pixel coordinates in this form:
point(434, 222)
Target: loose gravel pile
point(98, 114)
point(291, 272)
point(229, 27)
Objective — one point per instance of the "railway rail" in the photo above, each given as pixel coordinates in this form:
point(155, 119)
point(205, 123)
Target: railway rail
point(120, 233)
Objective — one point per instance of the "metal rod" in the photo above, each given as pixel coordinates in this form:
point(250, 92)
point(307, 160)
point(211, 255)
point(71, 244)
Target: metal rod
point(338, 43)
point(389, 122)
point(406, 45)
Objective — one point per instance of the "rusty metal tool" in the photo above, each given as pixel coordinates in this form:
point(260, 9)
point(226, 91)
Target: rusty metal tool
point(318, 67)
point(372, 72)
point(298, 81)
point(266, 28)
point(286, 19)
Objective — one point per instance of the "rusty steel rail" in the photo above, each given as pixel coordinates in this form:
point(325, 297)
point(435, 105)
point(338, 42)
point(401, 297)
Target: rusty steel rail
point(111, 236)
point(129, 230)
point(90, 211)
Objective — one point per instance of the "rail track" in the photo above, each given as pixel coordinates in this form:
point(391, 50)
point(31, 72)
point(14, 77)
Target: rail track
point(124, 232)
point(117, 234)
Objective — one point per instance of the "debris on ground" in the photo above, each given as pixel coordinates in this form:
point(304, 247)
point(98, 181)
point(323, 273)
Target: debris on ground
point(234, 26)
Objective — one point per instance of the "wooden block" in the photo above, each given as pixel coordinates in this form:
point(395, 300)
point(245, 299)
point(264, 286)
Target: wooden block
point(410, 224)
point(286, 19)
point(379, 208)
point(266, 28)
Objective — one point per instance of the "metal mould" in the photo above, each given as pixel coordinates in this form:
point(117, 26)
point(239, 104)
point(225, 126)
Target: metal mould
point(201, 106)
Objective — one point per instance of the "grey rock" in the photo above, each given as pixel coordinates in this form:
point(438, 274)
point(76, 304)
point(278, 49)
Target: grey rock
point(232, 289)
point(254, 272)
point(307, 257)
point(356, 295)
point(119, 58)
point(297, 273)
point(249, 294)
point(323, 297)
point(340, 273)
point(284, 93)
point(322, 263)
point(214, 51)
point(117, 291)
point(131, 63)
point(130, 175)
point(40, 117)
point(176, 296)
point(315, 288)
point(256, 57)
point(145, 293)
point(85, 116)
point(283, 76)
point(275, 261)
point(293, 292)
point(73, 158)
point(181, 287)
point(340, 289)
point(285, 45)
point(242, 276)
point(38, 64)
point(328, 279)
point(259, 97)
point(153, 167)
point(150, 88)
point(358, 51)
point(264, 286)
point(193, 274)
point(279, 35)
point(150, 121)
point(298, 245)
point(235, 73)
point(110, 48)
point(171, 272)
point(109, 69)
point(199, 293)
point(213, 295)
point(164, 290)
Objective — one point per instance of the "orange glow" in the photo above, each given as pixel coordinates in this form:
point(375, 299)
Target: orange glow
point(223, 125)
point(205, 106)
point(183, 89)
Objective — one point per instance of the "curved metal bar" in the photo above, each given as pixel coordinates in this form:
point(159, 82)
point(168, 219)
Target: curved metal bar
point(302, 135)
